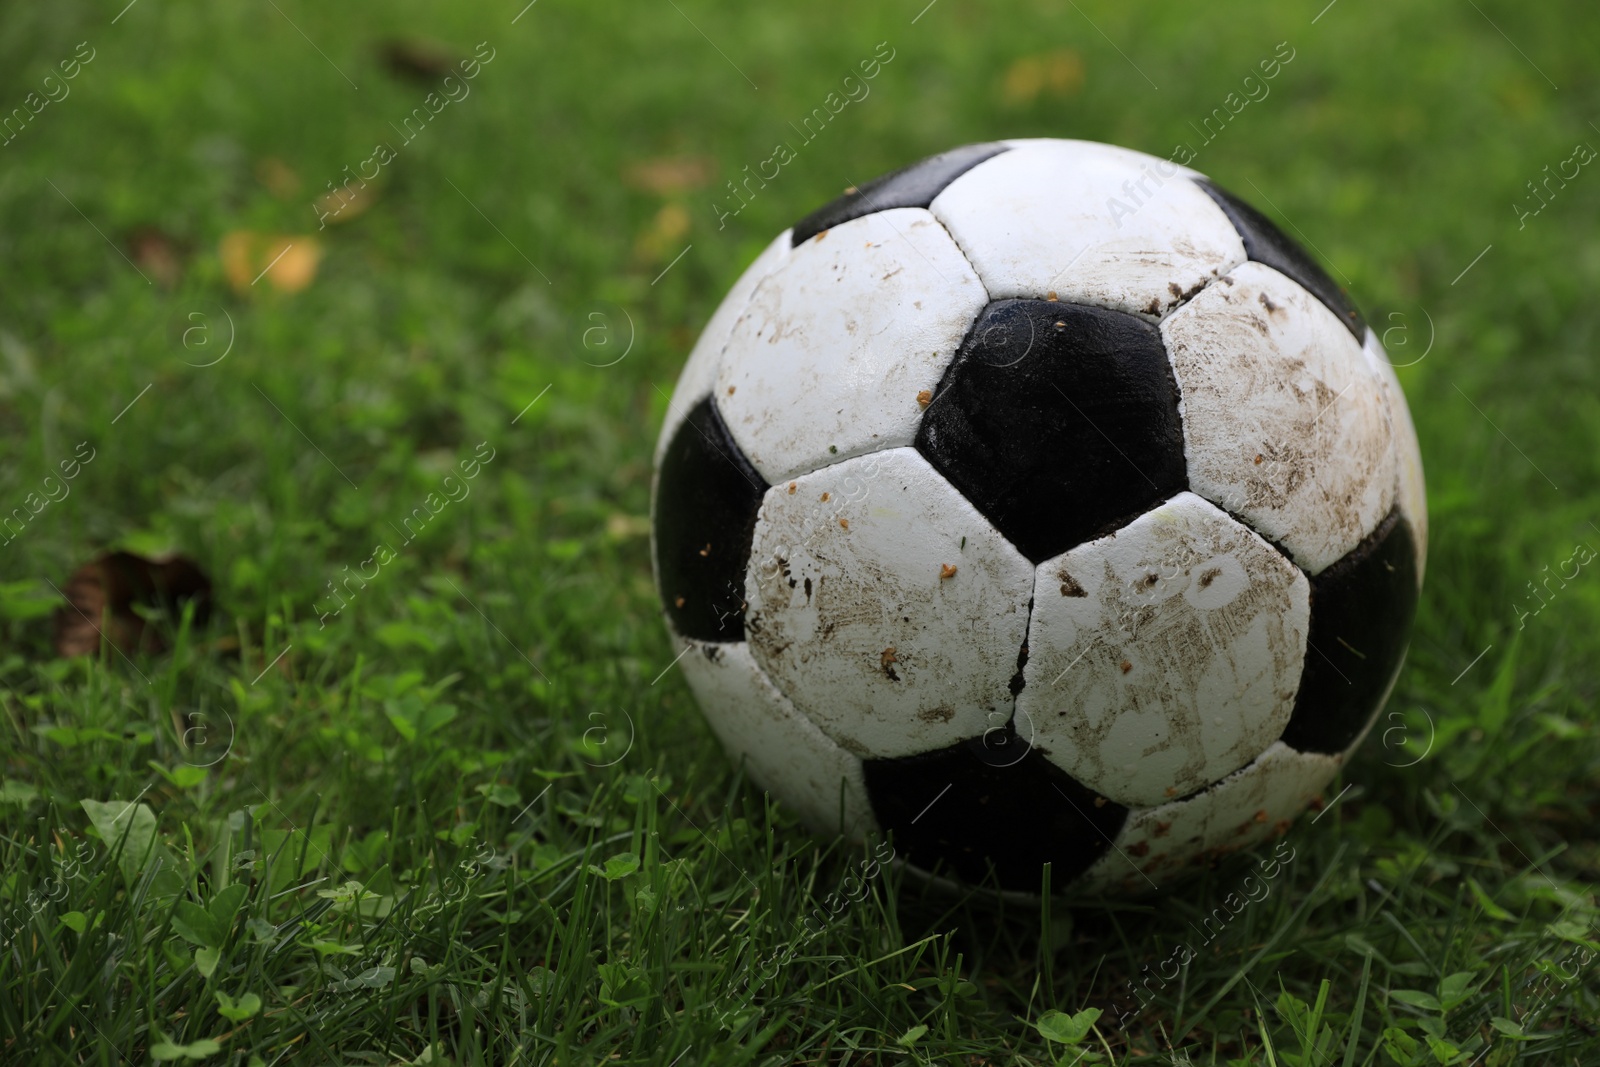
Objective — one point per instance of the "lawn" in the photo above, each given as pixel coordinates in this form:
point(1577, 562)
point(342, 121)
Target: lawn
point(385, 355)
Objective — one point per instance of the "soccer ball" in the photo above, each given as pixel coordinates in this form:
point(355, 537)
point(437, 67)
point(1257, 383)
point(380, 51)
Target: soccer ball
point(1040, 503)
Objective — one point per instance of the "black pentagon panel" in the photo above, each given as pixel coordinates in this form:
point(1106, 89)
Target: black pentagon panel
point(913, 186)
point(1265, 243)
point(1058, 421)
point(975, 806)
point(707, 497)
point(1361, 612)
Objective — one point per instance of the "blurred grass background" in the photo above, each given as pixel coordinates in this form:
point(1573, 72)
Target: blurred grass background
point(495, 697)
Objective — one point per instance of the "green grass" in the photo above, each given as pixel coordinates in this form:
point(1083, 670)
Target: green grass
point(469, 819)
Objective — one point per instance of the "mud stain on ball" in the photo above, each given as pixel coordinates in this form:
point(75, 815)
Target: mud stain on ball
point(902, 649)
point(1171, 667)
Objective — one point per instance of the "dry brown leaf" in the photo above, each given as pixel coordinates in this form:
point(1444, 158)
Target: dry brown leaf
point(103, 594)
point(666, 175)
point(157, 255)
point(286, 262)
point(418, 59)
point(279, 178)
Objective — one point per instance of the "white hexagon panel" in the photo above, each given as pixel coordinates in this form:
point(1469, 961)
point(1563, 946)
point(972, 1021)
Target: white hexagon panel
point(1285, 423)
point(1090, 223)
point(699, 372)
point(781, 749)
point(1165, 655)
point(885, 606)
point(1256, 803)
point(840, 340)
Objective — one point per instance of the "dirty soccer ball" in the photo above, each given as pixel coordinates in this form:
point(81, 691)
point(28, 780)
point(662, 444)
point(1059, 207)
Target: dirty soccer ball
point(1040, 503)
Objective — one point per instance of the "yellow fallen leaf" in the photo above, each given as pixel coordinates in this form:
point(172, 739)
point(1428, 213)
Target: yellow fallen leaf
point(1060, 73)
point(297, 265)
point(347, 201)
point(669, 174)
point(286, 262)
point(660, 240)
point(620, 527)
